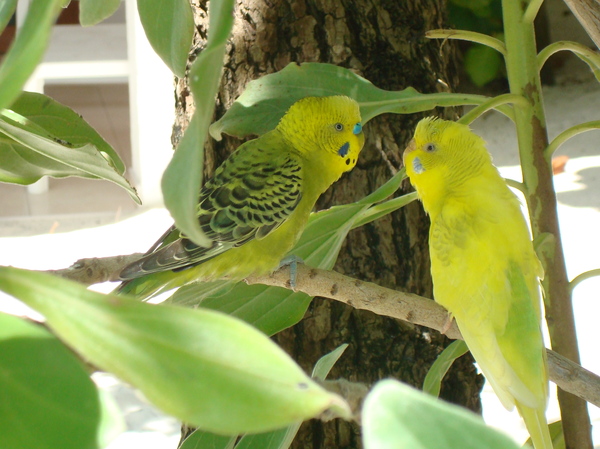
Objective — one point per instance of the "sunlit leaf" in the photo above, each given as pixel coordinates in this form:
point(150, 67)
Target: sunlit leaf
point(48, 399)
point(203, 367)
point(265, 100)
point(282, 438)
point(397, 416)
point(183, 177)
point(34, 147)
point(92, 12)
point(169, 27)
point(27, 49)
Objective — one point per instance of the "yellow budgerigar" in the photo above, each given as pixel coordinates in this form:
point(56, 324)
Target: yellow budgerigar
point(258, 202)
point(484, 268)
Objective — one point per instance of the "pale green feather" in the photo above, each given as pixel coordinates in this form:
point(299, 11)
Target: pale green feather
point(484, 268)
point(256, 205)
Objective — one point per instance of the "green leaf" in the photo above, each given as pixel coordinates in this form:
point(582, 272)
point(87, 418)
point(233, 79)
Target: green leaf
point(7, 9)
point(269, 309)
point(397, 416)
point(183, 177)
point(265, 101)
point(169, 27)
point(60, 122)
point(200, 439)
point(203, 367)
point(27, 49)
point(282, 438)
point(433, 380)
point(48, 399)
point(325, 363)
point(482, 64)
point(29, 151)
point(92, 12)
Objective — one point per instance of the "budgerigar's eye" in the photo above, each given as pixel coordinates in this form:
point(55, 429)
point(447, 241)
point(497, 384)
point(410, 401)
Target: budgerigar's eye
point(338, 127)
point(430, 147)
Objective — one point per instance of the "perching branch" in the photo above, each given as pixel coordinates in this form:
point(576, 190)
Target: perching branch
point(96, 269)
point(363, 295)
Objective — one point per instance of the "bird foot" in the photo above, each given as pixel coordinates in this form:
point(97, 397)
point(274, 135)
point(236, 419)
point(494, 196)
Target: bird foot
point(293, 262)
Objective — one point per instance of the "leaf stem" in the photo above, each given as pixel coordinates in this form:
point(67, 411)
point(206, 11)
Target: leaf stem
point(469, 36)
point(567, 134)
point(590, 57)
point(532, 11)
point(583, 277)
point(492, 103)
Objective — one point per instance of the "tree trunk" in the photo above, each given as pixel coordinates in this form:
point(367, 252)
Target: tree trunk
point(383, 41)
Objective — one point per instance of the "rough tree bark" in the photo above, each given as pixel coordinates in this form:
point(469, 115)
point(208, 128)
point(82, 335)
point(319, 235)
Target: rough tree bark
point(382, 40)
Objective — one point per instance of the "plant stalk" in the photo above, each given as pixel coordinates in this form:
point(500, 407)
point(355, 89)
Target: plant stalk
point(524, 79)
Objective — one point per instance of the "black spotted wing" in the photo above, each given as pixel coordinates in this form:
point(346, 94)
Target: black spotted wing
point(251, 194)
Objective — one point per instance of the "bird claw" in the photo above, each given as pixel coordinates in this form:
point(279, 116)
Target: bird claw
point(293, 262)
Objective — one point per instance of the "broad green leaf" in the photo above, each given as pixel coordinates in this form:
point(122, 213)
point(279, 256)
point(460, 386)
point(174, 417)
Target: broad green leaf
point(183, 177)
point(433, 380)
point(482, 64)
point(266, 99)
point(269, 309)
point(272, 309)
point(201, 366)
point(169, 27)
point(92, 12)
point(7, 9)
point(48, 398)
point(61, 123)
point(199, 439)
point(282, 438)
point(28, 153)
point(27, 50)
point(397, 416)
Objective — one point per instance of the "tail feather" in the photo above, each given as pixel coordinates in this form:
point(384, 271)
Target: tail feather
point(537, 426)
point(146, 287)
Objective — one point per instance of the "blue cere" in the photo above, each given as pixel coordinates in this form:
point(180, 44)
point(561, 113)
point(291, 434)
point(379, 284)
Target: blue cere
point(343, 151)
point(357, 129)
point(418, 166)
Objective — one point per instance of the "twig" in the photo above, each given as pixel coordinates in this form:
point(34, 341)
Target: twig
point(415, 309)
point(97, 269)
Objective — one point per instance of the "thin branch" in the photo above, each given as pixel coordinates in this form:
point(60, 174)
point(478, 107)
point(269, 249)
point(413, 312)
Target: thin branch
point(362, 295)
point(96, 269)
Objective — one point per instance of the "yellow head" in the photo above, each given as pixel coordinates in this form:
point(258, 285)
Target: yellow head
point(325, 130)
point(441, 157)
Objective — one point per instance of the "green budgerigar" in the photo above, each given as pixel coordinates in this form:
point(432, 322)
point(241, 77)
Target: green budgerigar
point(484, 268)
point(257, 204)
